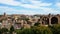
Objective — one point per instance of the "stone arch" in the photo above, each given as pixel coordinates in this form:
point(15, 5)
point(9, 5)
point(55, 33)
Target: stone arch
point(54, 20)
point(45, 20)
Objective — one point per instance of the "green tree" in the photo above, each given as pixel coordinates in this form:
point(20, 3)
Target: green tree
point(55, 28)
point(4, 30)
point(0, 31)
point(18, 31)
point(41, 30)
point(35, 30)
point(36, 24)
point(11, 29)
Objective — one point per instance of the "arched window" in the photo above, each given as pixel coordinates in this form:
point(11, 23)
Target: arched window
point(45, 20)
point(54, 20)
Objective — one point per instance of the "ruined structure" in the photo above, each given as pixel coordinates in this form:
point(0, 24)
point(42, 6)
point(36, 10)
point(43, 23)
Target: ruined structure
point(19, 21)
point(50, 19)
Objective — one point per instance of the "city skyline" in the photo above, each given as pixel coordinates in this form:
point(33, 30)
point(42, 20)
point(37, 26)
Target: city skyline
point(30, 7)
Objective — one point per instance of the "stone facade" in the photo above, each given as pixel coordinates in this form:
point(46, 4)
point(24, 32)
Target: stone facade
point(19, 21)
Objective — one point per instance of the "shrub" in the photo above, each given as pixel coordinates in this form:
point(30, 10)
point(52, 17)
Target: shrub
point(55, 28)
point(42, 30)
point(4, 30)
point(35, 30)
point(11, 29)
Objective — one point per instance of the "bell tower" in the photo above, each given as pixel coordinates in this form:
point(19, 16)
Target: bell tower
point(4, 14)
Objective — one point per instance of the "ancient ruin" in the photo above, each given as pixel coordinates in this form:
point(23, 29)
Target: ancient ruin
point(19, 21)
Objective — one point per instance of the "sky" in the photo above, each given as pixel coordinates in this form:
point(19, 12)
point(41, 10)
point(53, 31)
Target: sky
point(30, 7)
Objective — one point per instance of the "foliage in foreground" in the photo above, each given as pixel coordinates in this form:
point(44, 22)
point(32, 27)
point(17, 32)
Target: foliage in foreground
point(35, 30)
point(51, 29)
point(54, 29)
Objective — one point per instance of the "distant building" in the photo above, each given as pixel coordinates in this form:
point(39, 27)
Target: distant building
point(19, 21)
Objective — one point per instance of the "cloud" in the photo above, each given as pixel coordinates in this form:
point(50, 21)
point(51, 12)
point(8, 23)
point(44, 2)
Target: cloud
point(29, 6)
point(40, 3)
point(15, 3)
point(28, 12)
point(15, 11)
point(58, 4)
point(35, 4)
point(9, 2)
point(50, 10)
point(41, 7)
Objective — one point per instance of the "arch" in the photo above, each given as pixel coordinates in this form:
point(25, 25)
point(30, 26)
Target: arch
point(45, 20)
point(54, 20)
